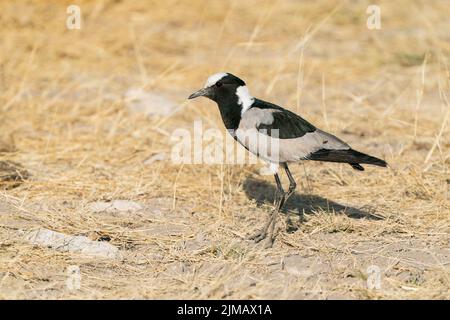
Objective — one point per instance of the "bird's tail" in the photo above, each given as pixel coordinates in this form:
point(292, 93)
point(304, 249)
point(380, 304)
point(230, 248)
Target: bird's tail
point(350, 156)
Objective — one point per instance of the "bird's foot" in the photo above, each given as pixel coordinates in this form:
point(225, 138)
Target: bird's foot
point(266, 233)
point(258, 236)
point(268, 242)
point(262, 235)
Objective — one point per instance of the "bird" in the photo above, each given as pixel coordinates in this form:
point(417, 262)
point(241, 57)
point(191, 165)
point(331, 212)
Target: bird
point(249, 119)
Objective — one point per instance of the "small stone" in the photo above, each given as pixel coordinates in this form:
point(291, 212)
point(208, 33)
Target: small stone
point(67, 243)
point(200, 242)
point(296, 265)
point(125, 205)
point(99, 206)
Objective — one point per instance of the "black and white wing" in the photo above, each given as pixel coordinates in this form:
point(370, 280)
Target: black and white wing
point(294, 138)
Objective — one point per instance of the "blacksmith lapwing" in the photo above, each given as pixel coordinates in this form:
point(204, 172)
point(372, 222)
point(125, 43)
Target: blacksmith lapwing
point(288, 137)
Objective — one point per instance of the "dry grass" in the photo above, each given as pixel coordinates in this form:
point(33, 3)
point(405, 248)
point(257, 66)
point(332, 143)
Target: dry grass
point(64, 119)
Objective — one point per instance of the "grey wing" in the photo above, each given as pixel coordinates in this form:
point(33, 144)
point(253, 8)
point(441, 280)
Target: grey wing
point(303, 147)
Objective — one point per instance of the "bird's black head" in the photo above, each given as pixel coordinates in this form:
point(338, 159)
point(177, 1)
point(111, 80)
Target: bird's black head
point(231, 95)
point(220, 87)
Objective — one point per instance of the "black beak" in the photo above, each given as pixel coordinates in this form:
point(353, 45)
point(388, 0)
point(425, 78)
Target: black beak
point(205, 92)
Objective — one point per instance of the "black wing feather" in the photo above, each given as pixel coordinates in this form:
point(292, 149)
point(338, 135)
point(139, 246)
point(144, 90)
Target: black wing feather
point(353, 157)
point(285, 125)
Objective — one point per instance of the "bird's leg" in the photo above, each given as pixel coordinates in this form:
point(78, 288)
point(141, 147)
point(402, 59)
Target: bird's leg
point(280, 198)
point(279, 203)
point(292, 184)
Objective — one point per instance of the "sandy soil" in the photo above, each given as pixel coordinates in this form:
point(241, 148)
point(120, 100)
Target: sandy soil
point(71, 145)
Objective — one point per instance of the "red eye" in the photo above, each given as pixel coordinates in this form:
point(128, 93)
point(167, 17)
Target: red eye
point(218, 84)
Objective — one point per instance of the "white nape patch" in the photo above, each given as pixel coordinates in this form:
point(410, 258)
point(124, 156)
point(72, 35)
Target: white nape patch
point(270, 170)
point(245, 99)
point(214, 78)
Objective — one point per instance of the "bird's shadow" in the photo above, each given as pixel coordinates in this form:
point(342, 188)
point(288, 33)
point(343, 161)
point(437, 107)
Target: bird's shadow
point(264, 193)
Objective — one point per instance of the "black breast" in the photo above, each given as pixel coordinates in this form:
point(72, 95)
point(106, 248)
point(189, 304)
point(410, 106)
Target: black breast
point(230, 111)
